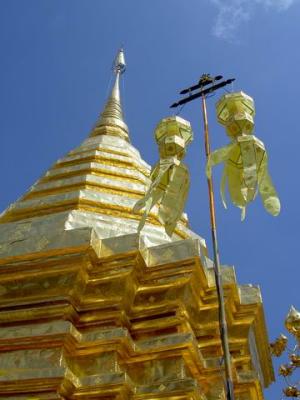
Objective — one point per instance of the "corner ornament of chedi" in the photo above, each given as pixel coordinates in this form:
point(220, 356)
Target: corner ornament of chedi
point(289, 371)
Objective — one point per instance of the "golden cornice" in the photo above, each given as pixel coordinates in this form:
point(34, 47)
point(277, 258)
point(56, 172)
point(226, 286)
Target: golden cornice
point(101, 172)
point(76, 204)
point(89, 185)
point(96, 169)
point(111, 129)
point(130, 164)
point(102, 149)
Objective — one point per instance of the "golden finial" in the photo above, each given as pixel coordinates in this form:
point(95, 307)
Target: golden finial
point(292, 322)
point(291, 391)
point(119, 62)
point(278, 347)
point(295, 360)
point(112, 115)
point(285, 370)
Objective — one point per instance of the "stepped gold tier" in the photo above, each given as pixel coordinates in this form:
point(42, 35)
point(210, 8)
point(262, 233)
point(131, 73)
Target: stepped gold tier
point(91, 310)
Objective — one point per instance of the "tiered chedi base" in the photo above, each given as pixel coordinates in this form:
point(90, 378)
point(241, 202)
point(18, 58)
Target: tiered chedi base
point(103, 319)
point(89, 310)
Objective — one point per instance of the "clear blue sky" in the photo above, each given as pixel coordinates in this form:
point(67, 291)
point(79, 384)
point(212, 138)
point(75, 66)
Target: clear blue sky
point(55, 71)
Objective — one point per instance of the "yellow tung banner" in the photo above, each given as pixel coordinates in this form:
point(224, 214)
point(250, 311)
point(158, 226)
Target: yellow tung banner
point(170, 176)
point(245, 158)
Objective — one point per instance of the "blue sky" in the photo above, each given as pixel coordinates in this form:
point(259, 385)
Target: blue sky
point(55, 71)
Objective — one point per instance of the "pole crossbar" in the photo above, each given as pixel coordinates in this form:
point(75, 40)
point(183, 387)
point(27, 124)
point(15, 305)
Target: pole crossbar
point(202, 92)
point(217, 266)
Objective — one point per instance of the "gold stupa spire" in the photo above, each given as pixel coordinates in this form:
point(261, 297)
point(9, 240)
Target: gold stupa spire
point(111, 120)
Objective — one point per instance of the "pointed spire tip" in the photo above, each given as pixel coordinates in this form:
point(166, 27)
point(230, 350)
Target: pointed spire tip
point(112, 114)
point(119, 62)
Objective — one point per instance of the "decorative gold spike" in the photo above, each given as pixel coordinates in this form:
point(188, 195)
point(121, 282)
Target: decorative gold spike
point(286, 370)
point(291, 391)
point(113, 112)
point(295, 360)
point(292, 322)
point(278, 347)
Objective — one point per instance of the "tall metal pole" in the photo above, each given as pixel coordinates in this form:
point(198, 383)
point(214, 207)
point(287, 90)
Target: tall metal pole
point(217, 267)
point(206, 80)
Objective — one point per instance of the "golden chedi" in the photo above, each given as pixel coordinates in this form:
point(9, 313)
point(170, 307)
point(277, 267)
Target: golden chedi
point(92, 309)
